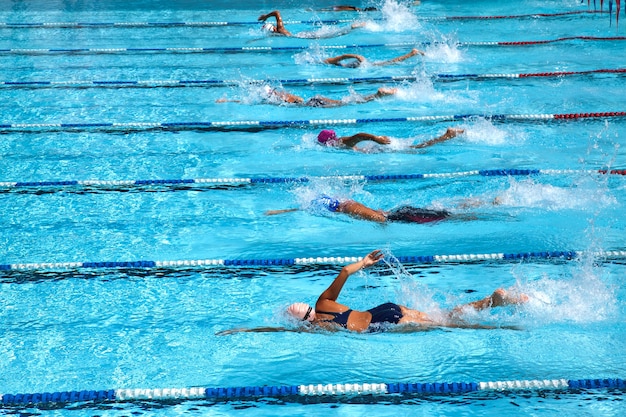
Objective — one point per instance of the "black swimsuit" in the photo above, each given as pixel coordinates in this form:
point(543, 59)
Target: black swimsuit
point(338, 318)
point(384, 313)
point(316, 102)
point(408, 214)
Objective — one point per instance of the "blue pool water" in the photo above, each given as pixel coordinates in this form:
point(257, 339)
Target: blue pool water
point(73, 329)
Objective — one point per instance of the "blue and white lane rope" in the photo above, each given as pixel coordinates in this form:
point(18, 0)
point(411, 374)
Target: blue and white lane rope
point(294, 391)
point(45, 51)
point(296, 81)
point(86, 25)
point(273, 124)
point(211, 263)
point(81, 25)
point(126, 184)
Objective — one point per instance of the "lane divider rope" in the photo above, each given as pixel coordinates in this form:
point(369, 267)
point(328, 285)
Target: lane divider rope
point(208, 263)
point(83, 25)
point(41, 51)
point(293, 81)
point(293, 392)
point(112, 185)
point(268, 124)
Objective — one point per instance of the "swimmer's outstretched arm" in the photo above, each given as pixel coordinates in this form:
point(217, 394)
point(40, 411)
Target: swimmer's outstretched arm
point(256, 330)
point(382, 92)
point(336, 60)
point(400, 58)
point(301, 329)
point(450, 133)
point(274, 212)
point(226, 100)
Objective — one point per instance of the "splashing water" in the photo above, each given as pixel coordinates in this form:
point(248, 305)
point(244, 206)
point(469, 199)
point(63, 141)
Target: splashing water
point(312, 56)
point(581, 294)
point(423, 91)
point(483, 131)
point(446, 52)
point(411, 291)
point(333, 188)
point(397, 17)
point(585, 297)
point(586, 195)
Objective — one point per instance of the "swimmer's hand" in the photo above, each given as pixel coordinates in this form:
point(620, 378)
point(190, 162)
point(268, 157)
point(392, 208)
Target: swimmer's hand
point(372, 258)
point(382, 140)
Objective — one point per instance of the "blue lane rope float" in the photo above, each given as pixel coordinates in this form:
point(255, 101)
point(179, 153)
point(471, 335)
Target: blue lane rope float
point(212, 263)
point(273, 124)
point(86, 25)
point(297, 81)
point(42, 51)
point(293, 392)
point(112, 185)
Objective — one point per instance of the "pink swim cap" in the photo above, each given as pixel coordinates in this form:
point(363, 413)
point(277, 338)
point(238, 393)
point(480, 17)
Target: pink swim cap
point(302, 311)
point(326, 135)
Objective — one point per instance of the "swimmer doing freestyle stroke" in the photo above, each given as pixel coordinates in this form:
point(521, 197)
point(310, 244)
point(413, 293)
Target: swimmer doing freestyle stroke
point(356, 60)
point(401, 214)
point(280, 29)
point(328, 137)
point(280, 97)
point(328, 314)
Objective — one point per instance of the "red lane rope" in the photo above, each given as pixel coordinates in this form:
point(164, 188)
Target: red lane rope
point(558, 73)
point(613, 171)
point(569, 38)
point(522, 15)
point(590, 115)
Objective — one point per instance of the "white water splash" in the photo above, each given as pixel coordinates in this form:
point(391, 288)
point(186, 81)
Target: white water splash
point(583, 296)
point(584, 195)
point(483, 131)
point(443, 52)
point(579, 294)
point(397, 17)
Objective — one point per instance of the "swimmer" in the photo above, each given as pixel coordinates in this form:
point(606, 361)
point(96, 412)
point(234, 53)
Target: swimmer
point(345, 8)
point(328, 137)
point(402, 214)
point(280, 29)
point(328, 314)
point(274, 96)
point(355, 60)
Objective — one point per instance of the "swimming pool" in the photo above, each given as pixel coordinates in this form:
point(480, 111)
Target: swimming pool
point(104, 128)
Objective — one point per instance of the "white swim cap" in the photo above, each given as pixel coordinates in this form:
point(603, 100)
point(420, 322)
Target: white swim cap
point(302, 311)
point(269, 27)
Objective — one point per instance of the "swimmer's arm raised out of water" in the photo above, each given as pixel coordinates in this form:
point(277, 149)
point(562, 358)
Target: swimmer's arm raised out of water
point(401, 58)
point(450, 133)
point(280, 26)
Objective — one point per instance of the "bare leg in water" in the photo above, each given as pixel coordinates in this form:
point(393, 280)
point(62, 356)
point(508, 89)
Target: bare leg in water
point(499, 298)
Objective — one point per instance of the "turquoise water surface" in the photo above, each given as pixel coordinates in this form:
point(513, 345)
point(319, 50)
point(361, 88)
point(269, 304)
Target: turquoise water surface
point(103, 101)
